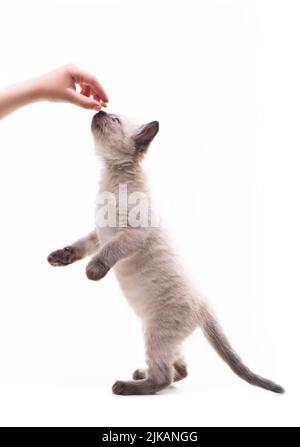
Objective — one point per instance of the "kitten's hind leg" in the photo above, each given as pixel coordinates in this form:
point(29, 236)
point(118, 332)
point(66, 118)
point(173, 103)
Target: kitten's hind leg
point(180, 369)
point(78, 250)
point(139, 374)
point(161, 354)
point(179, 373)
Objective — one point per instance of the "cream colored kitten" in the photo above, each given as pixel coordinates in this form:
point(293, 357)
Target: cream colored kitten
point(147, 269)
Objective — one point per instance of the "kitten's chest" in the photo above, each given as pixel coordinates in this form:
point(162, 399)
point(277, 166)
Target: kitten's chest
point(105, 234)
point(111, 211)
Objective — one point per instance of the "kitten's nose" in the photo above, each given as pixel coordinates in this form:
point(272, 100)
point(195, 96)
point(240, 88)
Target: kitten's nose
point(100, 115)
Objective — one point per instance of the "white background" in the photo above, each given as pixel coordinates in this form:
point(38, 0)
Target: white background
point(222, 77)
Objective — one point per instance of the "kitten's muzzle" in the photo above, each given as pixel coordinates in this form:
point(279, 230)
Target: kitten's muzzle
point(98, 119)
point(101, 114)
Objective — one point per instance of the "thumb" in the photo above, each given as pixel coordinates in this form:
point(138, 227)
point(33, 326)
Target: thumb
point(82, 101)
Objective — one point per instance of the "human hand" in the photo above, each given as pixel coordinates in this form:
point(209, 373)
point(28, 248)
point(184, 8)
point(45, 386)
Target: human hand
point(60, 85)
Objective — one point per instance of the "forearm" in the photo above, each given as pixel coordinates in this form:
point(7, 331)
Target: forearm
point(19, 95)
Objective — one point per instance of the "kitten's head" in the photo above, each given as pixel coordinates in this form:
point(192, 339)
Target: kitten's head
point(119, 141)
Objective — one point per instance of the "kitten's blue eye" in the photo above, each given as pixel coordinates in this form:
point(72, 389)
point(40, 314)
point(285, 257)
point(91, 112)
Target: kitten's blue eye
point(115, 119)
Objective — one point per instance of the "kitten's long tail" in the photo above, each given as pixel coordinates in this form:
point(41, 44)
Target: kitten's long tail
point(217, 339)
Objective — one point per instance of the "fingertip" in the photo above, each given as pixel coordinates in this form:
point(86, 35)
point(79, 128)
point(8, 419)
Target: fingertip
point(105, 97)
point(97, 106)
point(101, 95)
point(99, 91)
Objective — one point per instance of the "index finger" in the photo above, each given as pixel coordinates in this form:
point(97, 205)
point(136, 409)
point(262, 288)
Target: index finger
point(83, 77)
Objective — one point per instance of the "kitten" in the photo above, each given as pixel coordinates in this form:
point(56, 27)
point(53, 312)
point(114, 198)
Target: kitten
point(146, 267)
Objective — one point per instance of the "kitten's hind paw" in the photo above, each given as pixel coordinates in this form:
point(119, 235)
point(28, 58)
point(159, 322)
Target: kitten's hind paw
point(138, 387)
point(129, 388)
point(139, 374)
point(62, 257)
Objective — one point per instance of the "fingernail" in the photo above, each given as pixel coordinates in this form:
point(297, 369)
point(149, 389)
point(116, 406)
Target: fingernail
point(97, 106)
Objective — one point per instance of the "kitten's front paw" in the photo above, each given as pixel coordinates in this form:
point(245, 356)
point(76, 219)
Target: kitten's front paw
point(62, 257)
point(96, 270)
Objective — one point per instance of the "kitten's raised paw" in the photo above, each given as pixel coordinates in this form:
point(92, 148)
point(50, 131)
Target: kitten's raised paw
point(62, 257)
point(139, 374)
point(96, 270)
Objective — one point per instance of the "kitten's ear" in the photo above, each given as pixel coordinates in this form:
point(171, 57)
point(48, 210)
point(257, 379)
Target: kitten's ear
point(145, 135)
